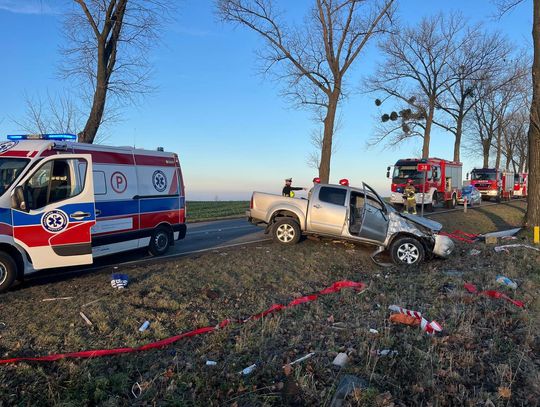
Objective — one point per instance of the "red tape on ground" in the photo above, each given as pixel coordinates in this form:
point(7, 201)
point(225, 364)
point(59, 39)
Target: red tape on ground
point(460, 235)
point(334, 288)
point(493, 294)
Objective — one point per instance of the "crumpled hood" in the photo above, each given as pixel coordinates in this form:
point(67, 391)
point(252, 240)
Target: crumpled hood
point(430, 224)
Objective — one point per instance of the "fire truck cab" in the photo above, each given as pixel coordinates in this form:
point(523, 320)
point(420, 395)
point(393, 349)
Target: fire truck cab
point(520, 184)
point(493, 183)
point(64, 203)
point(440, 184)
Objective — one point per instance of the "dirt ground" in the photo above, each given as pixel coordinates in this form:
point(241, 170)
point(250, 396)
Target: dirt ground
point(487, 354)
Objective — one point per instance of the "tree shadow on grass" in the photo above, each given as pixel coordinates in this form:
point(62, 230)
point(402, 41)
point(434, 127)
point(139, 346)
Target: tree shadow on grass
point(499, 222)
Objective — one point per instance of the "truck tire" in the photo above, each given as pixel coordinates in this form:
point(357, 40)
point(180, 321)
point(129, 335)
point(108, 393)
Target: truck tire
point(434, 203)
point(8, 271)
point(286, 231)
point(451, 204)
point(159, 241)
point(407, 251)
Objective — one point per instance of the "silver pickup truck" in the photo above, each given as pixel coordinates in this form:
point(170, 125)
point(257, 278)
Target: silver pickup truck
point(354, 214)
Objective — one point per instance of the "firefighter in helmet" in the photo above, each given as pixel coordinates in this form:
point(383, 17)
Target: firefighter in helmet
point(409, 196)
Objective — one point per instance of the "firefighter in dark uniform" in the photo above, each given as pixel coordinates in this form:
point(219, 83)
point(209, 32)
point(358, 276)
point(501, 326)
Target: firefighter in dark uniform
point(409, 195)
point(288, 189)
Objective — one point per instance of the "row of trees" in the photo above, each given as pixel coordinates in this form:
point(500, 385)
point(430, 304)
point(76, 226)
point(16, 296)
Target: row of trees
point(467, 81)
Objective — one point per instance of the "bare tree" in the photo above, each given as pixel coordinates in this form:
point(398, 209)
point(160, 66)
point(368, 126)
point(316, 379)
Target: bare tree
point(312, 60)
point(108, 43)
point(416, 71)
point(479, 56)
point(532, 217)
point(52, 114)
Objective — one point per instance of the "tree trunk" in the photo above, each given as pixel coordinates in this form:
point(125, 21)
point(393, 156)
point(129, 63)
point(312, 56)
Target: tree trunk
point(532, 217)
point(427, 132)
point(486, 146)
point(326, 151)
point(499, 148)
point(457, 141)
point(98, 103)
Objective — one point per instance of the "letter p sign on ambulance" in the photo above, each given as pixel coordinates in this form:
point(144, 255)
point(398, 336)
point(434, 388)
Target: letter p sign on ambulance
point(118, 182)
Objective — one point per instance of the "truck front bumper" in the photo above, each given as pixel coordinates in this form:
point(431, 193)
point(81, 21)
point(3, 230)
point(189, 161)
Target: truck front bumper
point(489, 192)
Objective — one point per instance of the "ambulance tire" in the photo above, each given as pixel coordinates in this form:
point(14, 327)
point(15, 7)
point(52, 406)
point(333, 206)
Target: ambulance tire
point(8, 271)
point(159, 241)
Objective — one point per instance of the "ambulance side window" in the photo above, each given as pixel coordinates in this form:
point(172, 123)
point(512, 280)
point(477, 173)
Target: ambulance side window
point(54, 181)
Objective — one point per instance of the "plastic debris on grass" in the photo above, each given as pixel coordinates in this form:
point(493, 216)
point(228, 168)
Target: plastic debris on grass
point(428, 327)
point(506, 281)
point(248, 370)
point(493, 294)
point(144, 326)
point(385, 352)
point(340, 360)
point(474, 252)
point(119, 280)
point(504, 248)
point(347, 385)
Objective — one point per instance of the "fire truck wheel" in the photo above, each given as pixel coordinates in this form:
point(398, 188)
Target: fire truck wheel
point(451, 204)
point(159, 242)
point(286, 231)
point(407, 251)
point(8, 271)
point(434, 202)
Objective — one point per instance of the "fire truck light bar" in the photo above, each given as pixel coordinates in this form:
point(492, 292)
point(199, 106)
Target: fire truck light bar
point(54, 136)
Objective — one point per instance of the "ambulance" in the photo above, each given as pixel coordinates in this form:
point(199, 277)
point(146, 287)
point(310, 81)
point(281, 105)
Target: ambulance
point(64, 203)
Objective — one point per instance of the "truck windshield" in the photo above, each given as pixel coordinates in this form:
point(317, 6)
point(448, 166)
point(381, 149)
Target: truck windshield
point(10, 169)
point(483, 176)
point(403, 172)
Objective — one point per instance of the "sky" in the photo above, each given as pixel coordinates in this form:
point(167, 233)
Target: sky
point(232, 130)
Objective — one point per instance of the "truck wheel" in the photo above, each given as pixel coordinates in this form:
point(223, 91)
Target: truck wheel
point(286, 231)
point(8, 272)
point(434, 203)
point(451, 204)
point(159, 242)
point(407, 251)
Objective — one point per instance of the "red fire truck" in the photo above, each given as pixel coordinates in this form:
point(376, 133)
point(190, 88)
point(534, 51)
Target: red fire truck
point(493, 183)
point(442, 184)
point(520, 183)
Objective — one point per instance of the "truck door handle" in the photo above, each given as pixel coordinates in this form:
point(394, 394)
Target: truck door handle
point(317, 206)
point(79, 215)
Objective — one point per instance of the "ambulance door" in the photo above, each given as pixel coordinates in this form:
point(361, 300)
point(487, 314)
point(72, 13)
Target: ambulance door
point(53, 211)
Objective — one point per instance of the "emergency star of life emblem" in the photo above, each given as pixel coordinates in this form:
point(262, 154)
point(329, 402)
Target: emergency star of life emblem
point(159, 180)
point(7, 145)
point(54, 221)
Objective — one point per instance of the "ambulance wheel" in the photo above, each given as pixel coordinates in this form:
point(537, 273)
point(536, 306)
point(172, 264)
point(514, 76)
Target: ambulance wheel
point(407, 251)
point(8, 272)
point(159, 242)
point(286, 231)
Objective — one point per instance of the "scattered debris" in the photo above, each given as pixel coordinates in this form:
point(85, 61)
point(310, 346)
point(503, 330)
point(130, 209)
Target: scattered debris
point(300, 359)
point(348, 384)
point(92, 302)
point(144, 326)
point(447, 288)
point(502, 233)
point(136, 390)
point(3, 325)
point(373, 331)
point(248, 370)
point(119, 280)
point(340, 360)
point(474, 252)
point(404, 319)
point(505, 247)
point(88, 322)
point(506, 281)
point(491, 240)
point(56, 299)
point(211, 363)
point(509, 238)
point(493, 294)
point(385, 352)
point(504, 392)
point(428, 327)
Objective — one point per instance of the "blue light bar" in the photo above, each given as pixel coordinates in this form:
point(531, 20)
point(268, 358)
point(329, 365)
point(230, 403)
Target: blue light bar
point(52, 136)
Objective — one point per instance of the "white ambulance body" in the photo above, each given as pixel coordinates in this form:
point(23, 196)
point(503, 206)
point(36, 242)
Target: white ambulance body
point(64, 203)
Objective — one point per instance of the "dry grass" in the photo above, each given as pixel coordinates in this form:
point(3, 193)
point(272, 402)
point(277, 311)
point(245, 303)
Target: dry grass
point(488, 349)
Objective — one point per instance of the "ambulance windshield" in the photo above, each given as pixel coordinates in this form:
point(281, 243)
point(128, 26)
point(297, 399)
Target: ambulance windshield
point(10, 169)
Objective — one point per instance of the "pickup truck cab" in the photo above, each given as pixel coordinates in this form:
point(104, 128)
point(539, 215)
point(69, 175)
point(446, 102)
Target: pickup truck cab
point(353, 214)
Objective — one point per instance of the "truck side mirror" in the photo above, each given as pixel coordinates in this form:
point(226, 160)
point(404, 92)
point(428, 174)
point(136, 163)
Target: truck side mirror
point(17, 199)
point(467, 176)
point(387, 174)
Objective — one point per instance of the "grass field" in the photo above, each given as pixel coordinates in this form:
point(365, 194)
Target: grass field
point(207, 210)
point(487, 354)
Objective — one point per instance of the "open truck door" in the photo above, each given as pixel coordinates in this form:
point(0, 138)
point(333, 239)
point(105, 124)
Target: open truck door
point(374, 219)
point(53, 211)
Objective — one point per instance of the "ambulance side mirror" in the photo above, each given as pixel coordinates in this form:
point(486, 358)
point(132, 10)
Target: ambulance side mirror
point(17, 199)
